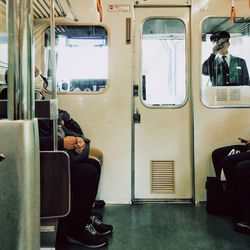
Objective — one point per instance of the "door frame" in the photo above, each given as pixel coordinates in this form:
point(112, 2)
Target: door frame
point(189, 102)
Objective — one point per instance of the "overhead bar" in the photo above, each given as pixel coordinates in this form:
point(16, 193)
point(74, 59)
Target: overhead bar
point(72, 11)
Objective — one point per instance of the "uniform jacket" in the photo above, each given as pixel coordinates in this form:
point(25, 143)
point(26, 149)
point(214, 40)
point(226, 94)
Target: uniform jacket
point(238, 72)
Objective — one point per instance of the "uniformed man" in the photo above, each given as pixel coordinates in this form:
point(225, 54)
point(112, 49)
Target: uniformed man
point(222, 68)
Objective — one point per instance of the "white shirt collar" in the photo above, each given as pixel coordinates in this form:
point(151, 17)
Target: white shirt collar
point(227, 57)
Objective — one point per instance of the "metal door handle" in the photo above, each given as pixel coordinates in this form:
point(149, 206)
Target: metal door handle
point(137, 117)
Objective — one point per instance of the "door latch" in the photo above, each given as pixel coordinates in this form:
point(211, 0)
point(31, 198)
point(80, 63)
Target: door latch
point(135, 90)
point(137, 117)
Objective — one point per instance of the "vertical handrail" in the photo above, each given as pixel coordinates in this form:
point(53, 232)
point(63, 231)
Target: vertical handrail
point(53, 66)
point(27, 105)
point(20, 63)
point(13, 67)
point(21, 203)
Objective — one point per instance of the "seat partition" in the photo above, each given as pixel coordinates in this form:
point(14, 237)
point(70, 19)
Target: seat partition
point(44, 109)
point(55, 184)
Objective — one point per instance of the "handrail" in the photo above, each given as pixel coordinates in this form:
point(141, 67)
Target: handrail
point(42, 9)
point(53, 68)
point(72, 11)
point(60, 7)
point(20, 41)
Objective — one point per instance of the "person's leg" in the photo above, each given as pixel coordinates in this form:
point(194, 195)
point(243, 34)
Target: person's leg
point(229, 164)
point(219, 154)
point(242, 178)
point(96, 153)
point(84, 185)
point(96, 163)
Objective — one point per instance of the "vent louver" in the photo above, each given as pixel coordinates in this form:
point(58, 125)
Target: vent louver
point(162, 177)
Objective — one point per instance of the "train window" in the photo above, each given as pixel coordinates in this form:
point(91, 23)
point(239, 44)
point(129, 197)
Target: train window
point(3, 46)
point(81, 58)
point(163, 62)
point(225, 59)
point(3, 57)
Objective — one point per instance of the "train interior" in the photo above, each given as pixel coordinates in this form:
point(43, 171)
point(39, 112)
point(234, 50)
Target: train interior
point(130, 73)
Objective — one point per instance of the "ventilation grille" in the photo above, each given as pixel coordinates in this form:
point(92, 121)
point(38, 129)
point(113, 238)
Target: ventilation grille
point(228, 94)
point(221, 95)
point(162, 177)
point(234, 94)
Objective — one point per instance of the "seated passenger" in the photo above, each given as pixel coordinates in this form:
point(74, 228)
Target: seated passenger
point(227, 158)
point(83, 228)
point(71, 127)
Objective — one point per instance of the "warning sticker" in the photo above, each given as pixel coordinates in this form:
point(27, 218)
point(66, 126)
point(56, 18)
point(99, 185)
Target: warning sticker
point(119, 8)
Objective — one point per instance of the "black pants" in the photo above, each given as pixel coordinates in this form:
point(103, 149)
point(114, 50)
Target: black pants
point(221, 160)
point(242, 185)
point(84, 184)
point(229, 163)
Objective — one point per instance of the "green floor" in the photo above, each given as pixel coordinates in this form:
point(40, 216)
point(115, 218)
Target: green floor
point(169, 226)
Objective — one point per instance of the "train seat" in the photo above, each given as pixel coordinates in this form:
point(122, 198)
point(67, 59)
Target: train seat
point(3, 93)
point(55, 194)
point(44, 109)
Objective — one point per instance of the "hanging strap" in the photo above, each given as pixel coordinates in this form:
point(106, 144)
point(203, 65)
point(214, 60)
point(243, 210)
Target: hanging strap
point(233, 12)
point(99, 9)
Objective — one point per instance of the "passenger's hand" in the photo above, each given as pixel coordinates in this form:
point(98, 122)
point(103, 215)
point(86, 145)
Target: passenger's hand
point(80, 145)
point(215, 51)
point(69, 142)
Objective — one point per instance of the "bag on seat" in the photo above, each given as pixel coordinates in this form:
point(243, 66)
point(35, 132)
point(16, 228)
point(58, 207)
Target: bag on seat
point(217, 196)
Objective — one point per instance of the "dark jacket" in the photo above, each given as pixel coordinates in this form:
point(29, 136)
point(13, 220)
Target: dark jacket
point(238, 72)
point(46, 136)
point(70, 128)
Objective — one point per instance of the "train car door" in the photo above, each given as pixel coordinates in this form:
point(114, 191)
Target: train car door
point(162, 110)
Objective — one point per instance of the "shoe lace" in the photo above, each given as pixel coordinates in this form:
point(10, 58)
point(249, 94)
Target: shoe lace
point(95, 220)
point(90, 229)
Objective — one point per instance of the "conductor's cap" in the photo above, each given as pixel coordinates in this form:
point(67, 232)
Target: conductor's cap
point(218, 35)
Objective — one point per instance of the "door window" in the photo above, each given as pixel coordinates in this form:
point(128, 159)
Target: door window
point(163, 72)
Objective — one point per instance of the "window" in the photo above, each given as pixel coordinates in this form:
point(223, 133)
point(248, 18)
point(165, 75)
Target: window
point(3, 57)
point(215, 90)
point(81, 58)
point(163, 62)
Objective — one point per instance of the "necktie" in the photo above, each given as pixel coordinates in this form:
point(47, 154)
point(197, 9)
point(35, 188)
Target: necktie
point(225, 71)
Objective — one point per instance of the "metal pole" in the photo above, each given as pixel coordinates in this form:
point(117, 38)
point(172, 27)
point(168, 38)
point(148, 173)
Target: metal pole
point(13, 65)
point(20, 60)
point(27, 103)
point(53, 66)
point(20, 172)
